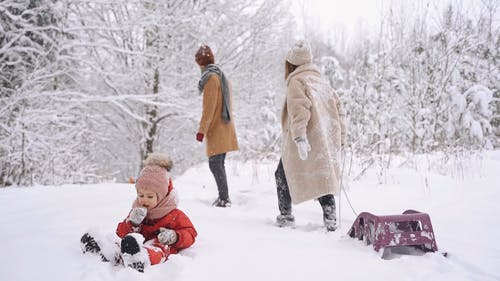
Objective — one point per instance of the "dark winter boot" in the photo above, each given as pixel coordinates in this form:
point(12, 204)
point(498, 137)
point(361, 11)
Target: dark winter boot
point(329, 212)
point(222, 203)
point(285, 221)
point(131, 249)
point(129, 245)
point(89, 245)
point(329, 218)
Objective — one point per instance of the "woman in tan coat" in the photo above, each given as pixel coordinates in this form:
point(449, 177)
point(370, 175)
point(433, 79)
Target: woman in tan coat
point(313, 134)
point(217, 123)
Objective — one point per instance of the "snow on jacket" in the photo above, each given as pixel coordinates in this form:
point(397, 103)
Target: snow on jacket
point(219, 136)
point(175, 220)
point(312, 109)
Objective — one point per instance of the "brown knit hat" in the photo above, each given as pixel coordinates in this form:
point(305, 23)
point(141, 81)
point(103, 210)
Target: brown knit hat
point(204, 56)
point(154, 176)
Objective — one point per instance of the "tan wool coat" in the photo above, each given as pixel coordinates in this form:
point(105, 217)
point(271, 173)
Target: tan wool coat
point(314, 110)
point(219, 136)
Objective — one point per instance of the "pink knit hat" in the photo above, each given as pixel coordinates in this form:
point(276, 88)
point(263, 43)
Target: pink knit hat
point(153, 178)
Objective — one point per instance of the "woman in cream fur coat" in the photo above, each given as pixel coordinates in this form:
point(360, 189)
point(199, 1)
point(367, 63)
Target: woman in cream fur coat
point(313, 133)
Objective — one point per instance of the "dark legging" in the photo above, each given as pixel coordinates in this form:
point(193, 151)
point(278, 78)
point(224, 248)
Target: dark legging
point(218, 169)
point(285, 201)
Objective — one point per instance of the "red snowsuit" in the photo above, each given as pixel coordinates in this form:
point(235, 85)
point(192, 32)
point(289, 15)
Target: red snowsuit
point(158, 252)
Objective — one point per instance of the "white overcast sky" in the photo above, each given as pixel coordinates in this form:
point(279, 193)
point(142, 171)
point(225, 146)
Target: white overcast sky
point(344, 12)
point(326, 15)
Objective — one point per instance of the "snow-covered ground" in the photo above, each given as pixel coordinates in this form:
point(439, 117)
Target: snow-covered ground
point(41, 228)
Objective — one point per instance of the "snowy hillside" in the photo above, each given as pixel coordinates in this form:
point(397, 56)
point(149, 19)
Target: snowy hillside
point(41, 228)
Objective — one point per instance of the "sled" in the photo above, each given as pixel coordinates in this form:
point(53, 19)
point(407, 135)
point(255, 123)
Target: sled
point(412, 228)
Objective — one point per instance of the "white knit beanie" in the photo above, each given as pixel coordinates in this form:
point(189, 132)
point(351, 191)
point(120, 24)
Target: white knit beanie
point(300, 53)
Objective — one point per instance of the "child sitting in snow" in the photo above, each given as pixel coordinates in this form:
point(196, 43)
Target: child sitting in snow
point(154, 228)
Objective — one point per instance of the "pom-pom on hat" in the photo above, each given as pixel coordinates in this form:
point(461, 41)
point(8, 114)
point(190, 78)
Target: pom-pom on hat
point(159, 159)
point(154, 176)
point(300, 53)
point(204, 56)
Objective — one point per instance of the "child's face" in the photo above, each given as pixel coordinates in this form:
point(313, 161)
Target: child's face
point(147, 199)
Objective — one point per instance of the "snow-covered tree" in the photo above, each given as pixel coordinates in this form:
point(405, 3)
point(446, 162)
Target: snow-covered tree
point(472, 115)
point(89, 88)
point(404, 83)
point(118, 79)
point(34, 130)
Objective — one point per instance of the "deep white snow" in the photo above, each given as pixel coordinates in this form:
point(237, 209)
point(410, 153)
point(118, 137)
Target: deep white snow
point(41, 228)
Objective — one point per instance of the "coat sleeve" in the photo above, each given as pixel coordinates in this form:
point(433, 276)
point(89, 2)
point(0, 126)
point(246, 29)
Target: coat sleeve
point(210, 94)
point(298, 107)
point(186, 233)
point(125, 227)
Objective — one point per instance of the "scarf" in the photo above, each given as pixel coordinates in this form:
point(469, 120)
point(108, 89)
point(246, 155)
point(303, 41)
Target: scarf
point(165, 206)
point(205, 74)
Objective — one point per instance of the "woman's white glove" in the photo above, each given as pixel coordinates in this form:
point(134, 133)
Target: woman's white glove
point(167, 236)
point(137, 215)
point(303, 147)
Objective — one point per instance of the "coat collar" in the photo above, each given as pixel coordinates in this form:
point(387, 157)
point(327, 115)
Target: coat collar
point(308, 67)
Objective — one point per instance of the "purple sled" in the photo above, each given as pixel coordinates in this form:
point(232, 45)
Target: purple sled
point(412, 228)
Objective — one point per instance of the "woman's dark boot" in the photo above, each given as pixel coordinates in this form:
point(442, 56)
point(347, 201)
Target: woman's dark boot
point(329, 212)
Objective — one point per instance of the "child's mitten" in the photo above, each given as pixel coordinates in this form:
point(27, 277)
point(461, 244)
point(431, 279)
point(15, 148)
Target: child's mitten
point(137, 215)
point(167, 236)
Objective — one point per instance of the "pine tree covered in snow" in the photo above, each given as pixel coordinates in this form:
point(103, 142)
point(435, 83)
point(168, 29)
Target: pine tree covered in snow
point(419, 87)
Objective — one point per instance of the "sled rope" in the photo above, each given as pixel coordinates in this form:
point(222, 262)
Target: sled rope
point(342, 189)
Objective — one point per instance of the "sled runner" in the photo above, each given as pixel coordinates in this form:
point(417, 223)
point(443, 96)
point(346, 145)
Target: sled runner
point(412, 228)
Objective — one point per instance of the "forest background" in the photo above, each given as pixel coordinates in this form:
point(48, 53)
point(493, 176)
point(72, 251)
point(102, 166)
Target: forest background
point(89, 87)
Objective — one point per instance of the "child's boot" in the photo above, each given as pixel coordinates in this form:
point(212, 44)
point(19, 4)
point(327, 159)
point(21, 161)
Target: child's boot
point(89, 245)
point(133, 255)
